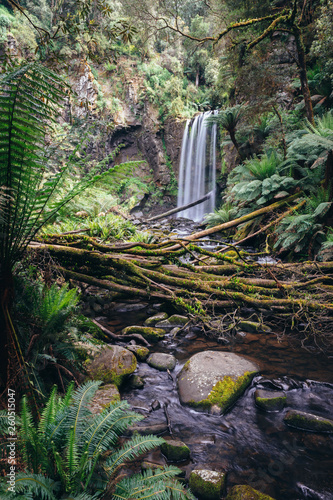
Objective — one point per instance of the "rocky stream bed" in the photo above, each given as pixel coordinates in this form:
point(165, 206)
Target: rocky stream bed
point(248, 442)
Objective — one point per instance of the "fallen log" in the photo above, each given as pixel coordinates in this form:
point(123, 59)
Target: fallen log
point(180, 209)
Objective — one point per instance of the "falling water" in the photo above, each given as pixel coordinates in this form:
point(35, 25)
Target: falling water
point(197, 169)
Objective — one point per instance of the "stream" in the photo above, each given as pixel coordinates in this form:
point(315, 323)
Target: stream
point(253, 446)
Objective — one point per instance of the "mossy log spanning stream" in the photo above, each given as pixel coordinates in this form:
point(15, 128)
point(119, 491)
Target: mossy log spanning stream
point(218, 288)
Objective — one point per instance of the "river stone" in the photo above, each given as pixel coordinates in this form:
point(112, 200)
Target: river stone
point(244, 492)
point(308, 422)
point(175, 450)
point(207, 484)
point(112, 365)
point(104, 397)
point(175, 320)
point(270, 400)
point(161, 361)
point(141, 353)
point(147, 332)
point(155, 319)
point(137, 382)
point(214, 378)
point(145, 429)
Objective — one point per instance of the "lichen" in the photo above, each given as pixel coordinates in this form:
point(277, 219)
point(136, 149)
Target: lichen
point(206, 488)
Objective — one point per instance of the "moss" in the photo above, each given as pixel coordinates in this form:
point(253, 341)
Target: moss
point(226, 392)
point(244, 492)
point(142, 353)
point(175, 451)
point(207, 485)
point(308, 422)
point(150, 334)
point(271, 404)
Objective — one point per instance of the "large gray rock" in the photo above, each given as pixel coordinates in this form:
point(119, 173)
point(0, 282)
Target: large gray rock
point(161, 361)
point(214, 378)
point(112, 365)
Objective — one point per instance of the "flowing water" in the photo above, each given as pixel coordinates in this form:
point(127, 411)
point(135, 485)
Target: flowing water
point(254, 446)
point(197, 168)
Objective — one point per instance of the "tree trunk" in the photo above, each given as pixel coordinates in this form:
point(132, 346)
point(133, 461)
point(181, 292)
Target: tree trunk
point(302, 74)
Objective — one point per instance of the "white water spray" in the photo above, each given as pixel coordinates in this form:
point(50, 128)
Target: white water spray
point(197, 169)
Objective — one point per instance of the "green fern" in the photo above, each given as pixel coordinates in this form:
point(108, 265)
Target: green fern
point(73, 454)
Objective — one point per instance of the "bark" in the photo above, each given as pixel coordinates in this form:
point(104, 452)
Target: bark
point(303, 75)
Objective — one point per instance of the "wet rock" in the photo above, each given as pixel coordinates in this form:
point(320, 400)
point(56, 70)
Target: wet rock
point(156, 405)
point(253, 327)
point(141, 353)
point(137, 382)
point(147, 332)
point(144, 429)
point(270, 400)
point(127, 307)
point(112, 365)
point(214, 378)
point(308, 421)
point(104, 397)
point(175, 320)
point(161, 361)
point(155, 319)
point(244, 492)
point(175, 330)
point(151, 466)
point(175, 450)
point(207, 484)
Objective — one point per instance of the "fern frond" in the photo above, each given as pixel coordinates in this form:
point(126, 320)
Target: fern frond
point(37, 485)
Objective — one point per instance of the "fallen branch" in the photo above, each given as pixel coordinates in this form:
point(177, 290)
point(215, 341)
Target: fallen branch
point(180, 209)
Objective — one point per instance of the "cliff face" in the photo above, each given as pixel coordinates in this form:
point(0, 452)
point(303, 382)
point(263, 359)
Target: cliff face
point(133, 123)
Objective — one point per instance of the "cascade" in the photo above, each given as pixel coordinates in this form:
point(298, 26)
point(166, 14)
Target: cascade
point(197, 168)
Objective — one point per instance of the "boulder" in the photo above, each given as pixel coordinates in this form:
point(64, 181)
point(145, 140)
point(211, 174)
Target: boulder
point(270, 400)
point(161, 361)
point(112, 365)
point(308, 422)
point(155, 319)
point(141, 353)
point(207, 484)
point(172, 322)
point(175, 450)
point(104, 397)
point(147, 332)
point(214, 378)
point(244, 492)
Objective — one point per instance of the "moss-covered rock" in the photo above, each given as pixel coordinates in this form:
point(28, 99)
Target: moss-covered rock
point(308, 422)
point(244, 492)
point(162, 361)
point(104, 397)
point(214, 378)
point(147, 332)
point(141, 353)
point(207, 484)
point(112, 365)
point(270, 400)
point(253, 327)
point(175, 450)
point(155, 319)
point(137, 382)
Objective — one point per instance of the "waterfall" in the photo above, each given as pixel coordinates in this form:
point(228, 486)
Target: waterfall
point(197, 168)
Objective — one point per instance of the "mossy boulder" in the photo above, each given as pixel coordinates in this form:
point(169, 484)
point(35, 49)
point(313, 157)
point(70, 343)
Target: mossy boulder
point(244, 492)
point(207, 484)
point(214, 378)
point(270, 400)
point(175, 450)
point(253, 327)
point(112, 365)
point(172, 322)
point(161, 361)
point(137, 382)
point(308, 422)
point(155, 319)
point(149, 333)
point(104, 397)
point(141, 353)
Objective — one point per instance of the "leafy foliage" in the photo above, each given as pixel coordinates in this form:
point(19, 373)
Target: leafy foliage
point(73, 454)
